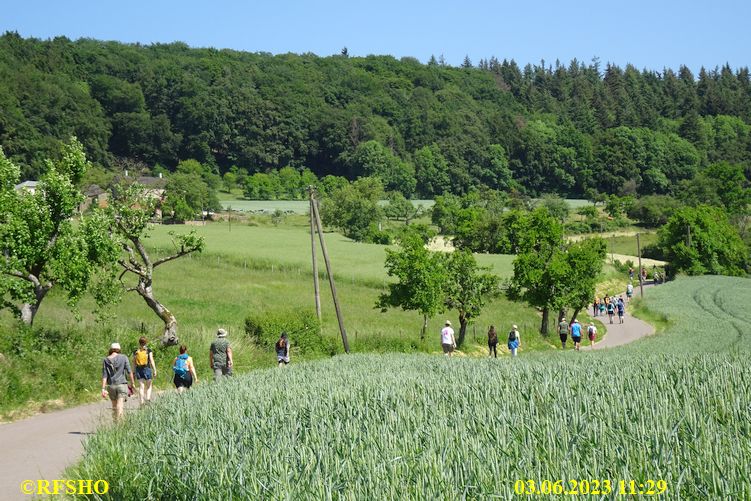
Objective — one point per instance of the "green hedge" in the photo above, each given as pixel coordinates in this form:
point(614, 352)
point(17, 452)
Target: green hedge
point(302, 328)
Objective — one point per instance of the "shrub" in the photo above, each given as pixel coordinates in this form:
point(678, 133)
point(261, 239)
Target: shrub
point(302, 327)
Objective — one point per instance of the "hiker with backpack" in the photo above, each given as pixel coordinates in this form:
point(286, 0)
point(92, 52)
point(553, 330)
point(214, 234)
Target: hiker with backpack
point(145, 370)
point(282, 350)
point(563, 332)
point(611, 309)
point(184, 369)
point(220, 355)
point(514, 340)
point(591, 334)
point(621, 309)
point(492, 342)
point(115, 366)
point(629, 292)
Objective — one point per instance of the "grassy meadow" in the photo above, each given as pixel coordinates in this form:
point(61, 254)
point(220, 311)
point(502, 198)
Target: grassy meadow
point(254, 269)
point(672, 408)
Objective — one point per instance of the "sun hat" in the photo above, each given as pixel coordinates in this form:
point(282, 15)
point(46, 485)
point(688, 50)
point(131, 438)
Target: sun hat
point(115, 346)
point(221, 333)
point(514, 327)
point(448, 322)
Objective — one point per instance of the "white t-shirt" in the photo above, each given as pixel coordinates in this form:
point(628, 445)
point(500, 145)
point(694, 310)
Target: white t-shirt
point(447, 335)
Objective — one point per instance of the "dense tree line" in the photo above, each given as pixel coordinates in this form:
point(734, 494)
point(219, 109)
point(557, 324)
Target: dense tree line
point(424, 129)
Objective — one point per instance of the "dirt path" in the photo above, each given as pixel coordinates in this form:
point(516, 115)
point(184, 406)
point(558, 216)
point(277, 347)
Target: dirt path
point(41, 447)
point(619, 334)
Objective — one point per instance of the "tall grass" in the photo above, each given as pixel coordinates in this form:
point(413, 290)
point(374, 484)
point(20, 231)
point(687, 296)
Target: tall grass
point(428, 427)
point(420, 427)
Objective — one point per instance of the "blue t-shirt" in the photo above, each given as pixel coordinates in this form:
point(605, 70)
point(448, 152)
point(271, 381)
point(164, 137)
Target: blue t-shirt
point(576, 330)
point(620, 307)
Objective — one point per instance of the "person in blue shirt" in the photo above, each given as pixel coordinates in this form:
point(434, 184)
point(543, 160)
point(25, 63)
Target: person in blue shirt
point(621, 309)
point(576, 334)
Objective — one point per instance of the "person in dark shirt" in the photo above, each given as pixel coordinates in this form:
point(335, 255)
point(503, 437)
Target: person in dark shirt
point(282, 350)
point(220, 355)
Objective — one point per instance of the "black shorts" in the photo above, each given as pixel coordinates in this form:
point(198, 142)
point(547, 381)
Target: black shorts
point(576, 339)
point(564, 337)
point(185, 381)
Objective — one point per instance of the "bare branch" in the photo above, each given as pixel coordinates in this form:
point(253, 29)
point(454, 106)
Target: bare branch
point(180, 253)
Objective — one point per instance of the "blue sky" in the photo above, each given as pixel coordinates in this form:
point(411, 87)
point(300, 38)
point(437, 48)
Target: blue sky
point(649, 34)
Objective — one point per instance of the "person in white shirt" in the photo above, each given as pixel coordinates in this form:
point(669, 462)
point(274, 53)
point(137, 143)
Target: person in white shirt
point(591, 334)
point(448, 342)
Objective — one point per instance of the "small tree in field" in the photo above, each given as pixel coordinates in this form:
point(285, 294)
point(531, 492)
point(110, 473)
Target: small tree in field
point(421, 279)
point(133, 209)
point(540, 267)
point(585, 259)
point(41, 245)
point(467, 287)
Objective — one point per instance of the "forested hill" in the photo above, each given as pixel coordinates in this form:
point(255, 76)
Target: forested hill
point(568, 129)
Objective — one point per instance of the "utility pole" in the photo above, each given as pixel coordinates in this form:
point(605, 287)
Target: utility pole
point(316, 288)
point(339, 318)
point(638, 250)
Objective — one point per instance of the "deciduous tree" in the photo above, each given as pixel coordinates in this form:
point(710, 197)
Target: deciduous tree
point(133, 209)
point(42, 247)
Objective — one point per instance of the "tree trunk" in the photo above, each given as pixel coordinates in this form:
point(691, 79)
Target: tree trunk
point(424, 327)
point(576, 312)
point(169, 336)
point(562, 315)
point(545, 321)
point(463, 321)
point(29, 310)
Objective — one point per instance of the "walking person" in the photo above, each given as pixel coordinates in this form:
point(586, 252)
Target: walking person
point(448, 341)
point(492, 342)
point(592, 334)
point(514, 340)
point(631, 274)
point(282, 350)
point(576, 334)
point(621, 309)
point(115, 366)
point(602, 307)
point(629, 292)
point(220, 355)
point(611, 310)
point(185, 370)
point(595, 306)
point(145, 370)
point(563, 332)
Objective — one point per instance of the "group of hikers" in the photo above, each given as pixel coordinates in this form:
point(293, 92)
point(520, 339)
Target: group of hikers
point(575, 329)
point(117, 369)
point(448, 340)
point(657, 276)
point(611, 305)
